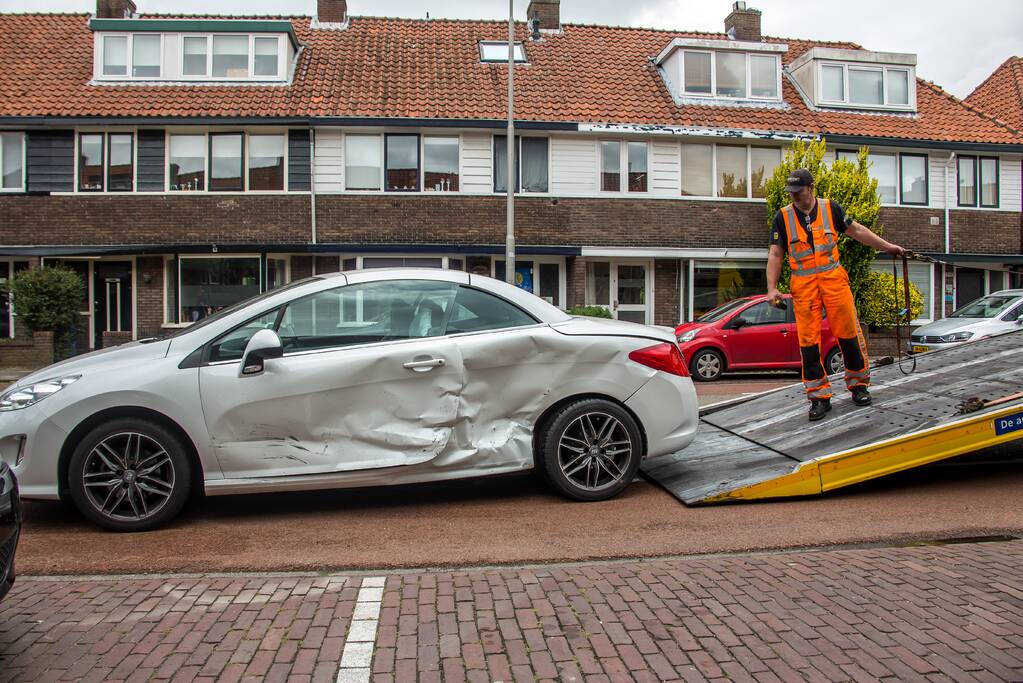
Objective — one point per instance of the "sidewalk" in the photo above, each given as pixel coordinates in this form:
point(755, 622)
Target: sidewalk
point(929, 613)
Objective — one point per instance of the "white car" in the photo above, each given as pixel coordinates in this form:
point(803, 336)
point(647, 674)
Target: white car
point(351, 379)
point(992, 314)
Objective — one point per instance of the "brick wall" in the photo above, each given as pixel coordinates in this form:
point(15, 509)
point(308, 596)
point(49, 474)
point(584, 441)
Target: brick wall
point(115, 338)
point(26, 350)
point(150, 296)
point(976, 232)
point(666, 292)
point(575, 281)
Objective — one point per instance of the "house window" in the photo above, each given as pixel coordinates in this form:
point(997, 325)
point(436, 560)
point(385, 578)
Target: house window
point(363, 162)
point(12, 161)
point(115, 55)
point(531, 166)
point(210, 284)
point(634, 162)
point(264, 61)
point(106, 162)
point(763, 161)
point(145, 55)
point(718, 282)
point(187, 168)
point(226, 154)
point(731, 173)
point(266, 162)
point(882, 168)
point(194, 56)
point(919, 275)
point(697, 170)
point(978, 176)
point(440, 164)
point(231, 56)
point(989, 185)
point(494, 51)
point(738, 75)
point(914, 178)
point(869, 86)
point(402, 156)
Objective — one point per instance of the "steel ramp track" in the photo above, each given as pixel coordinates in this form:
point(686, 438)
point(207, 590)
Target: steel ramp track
point(764, 446)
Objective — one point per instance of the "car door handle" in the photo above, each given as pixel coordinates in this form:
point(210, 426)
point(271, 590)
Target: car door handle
point(425, 364)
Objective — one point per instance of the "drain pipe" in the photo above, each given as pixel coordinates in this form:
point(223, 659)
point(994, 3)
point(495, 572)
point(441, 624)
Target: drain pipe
point(948, 230)
point(312, 184)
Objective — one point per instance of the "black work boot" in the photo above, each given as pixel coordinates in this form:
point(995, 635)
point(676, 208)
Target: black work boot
point(861, 396)
point(818, 408)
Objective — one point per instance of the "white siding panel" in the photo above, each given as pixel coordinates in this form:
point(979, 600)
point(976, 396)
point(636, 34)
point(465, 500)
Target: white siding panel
point(573, 166)
point(828, 158)
point(1009, 172)
point(937, 167)
point(477, 164)
point(666, 168)
point(328, 162)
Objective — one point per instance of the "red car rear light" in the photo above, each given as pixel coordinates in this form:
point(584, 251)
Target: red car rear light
point(665, 357)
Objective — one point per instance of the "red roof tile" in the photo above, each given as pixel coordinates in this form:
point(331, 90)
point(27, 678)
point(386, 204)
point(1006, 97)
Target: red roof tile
point(381, 67)
point(1001, 94)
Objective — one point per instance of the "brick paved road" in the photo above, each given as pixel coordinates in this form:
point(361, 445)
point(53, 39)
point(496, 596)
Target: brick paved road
point(952, 612)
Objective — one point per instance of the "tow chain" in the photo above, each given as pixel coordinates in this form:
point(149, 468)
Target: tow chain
point(903, 315)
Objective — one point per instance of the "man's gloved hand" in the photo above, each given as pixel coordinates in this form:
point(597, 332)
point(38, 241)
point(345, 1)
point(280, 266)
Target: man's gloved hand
point(774, 298)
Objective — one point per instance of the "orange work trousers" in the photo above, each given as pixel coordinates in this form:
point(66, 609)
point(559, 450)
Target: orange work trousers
point(829, 291)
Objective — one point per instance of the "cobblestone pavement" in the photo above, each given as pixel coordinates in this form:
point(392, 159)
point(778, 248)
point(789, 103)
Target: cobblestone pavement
point(944, 612)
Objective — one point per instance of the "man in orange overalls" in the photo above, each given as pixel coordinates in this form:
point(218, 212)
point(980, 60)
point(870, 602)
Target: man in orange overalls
point(808, 229)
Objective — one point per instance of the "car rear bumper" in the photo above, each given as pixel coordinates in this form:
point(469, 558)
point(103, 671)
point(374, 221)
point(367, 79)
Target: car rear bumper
point(10, 528)
point(668, 410)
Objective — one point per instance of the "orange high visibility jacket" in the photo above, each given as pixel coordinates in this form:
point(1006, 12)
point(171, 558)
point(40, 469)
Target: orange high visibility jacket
point(822, 255)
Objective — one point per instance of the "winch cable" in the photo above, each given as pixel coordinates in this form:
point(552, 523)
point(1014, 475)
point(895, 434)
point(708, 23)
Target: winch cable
point(904, 314)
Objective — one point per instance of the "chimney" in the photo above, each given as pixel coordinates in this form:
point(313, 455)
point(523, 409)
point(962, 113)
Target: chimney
point(114, 9)
point(743, 24)
point(331, 11)
point(547, 11)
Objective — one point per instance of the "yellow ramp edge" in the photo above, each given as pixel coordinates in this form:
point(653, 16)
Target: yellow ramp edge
point(830, 472)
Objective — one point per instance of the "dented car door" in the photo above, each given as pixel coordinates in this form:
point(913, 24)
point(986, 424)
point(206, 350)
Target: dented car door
point(367, 380)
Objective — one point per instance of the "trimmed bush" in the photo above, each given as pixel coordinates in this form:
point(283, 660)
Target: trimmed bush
point(591, 311)
point(48, 300)
point(884, 298)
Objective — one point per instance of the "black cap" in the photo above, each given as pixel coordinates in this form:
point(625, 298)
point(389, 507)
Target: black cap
point(798, 179)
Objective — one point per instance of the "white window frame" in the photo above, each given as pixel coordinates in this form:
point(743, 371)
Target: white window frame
point(106, 133)
point(623, 167)
point(897, 155)
point(714, 172)
point(520, 51)
point(129, 57)
point(282, 56)
point(101, 47)
point(383, 163)
point(519, 190)
point(885, 70)
point(208, 38)
point(10, 310)
point(422, 161)
point(24, 157)
point(205, 132)
point(714, 79)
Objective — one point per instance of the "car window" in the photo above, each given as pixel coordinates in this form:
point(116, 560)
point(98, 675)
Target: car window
point(366, 313)
point(763, 314)
point(231, 346)
point(1014, 312)
point(476, 310)
point(985, 307)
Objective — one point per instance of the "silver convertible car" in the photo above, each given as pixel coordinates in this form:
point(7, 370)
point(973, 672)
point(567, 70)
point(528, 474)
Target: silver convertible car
point(352, 379)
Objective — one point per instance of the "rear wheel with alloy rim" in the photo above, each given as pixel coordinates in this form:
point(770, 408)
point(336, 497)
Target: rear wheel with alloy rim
point(591, 449)
point(707, 365)
point(833, 363)
point(130, 475)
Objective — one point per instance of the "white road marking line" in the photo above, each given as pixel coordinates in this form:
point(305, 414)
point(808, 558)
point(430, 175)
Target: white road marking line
point(357, 656)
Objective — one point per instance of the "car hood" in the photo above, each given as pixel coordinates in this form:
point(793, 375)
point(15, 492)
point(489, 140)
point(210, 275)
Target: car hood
point(949, 325)
point(115, 356)
point(685, 327)
point(582, 325)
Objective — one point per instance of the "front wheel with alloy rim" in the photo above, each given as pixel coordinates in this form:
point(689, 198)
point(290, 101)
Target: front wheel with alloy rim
point(707, 365)
point(130, 475)
point(590, 449)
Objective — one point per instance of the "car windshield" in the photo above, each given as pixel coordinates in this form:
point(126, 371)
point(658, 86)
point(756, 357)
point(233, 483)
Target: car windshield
point(721, 311)
point(986, 307)
point(241, 304)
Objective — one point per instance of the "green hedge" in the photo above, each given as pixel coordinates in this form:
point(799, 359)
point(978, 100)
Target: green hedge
point(592, 311)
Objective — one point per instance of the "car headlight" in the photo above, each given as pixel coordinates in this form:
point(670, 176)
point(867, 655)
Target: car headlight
point(22, 397)
point(956, 336)
point(687, 336)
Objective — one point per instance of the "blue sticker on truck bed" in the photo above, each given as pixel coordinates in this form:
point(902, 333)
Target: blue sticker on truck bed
point(1009, 423)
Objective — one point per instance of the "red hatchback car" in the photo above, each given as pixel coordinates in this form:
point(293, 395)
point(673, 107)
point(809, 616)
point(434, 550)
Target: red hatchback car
point(749, 334)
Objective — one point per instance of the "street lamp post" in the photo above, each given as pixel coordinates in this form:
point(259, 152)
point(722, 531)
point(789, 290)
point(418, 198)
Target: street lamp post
point(509, 237)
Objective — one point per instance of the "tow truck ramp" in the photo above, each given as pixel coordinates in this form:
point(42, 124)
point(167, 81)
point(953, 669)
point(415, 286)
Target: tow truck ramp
point(957, 401)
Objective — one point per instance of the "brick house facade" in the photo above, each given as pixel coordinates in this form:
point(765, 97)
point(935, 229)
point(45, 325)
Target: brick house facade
point(360, 142)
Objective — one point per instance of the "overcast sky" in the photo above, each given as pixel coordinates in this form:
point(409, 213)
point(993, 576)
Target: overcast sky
point(958, 42)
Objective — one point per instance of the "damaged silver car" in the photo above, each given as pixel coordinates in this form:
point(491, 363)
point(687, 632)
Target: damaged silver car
point(361, 378)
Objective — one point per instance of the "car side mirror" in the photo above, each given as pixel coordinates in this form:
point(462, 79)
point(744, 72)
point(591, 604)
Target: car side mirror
point(1019, 320)
point(738, 322)
point(264, 345)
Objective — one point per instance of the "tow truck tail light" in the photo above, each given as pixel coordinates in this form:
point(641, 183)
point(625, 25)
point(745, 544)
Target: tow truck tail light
point(664, 357)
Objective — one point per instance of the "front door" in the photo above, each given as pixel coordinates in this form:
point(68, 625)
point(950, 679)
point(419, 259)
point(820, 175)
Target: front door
point(628, 285)
point(111, 298)
point(969, 285)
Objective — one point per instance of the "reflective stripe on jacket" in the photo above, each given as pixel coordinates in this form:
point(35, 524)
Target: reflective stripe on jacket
point(822, 256)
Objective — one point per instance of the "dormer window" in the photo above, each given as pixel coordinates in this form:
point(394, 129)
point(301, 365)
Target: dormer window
point(180, 50)
point(857, 79)
point(497, 51)
point(722, 69)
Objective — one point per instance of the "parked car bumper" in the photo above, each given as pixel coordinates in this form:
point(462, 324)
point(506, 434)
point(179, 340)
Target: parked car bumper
point(10, 527)
point(671, 413)
point(30, 444)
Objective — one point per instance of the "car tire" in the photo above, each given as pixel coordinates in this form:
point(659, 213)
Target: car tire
point(110, 489)
point(707, 365)
point(833, 363)
point(590, 449)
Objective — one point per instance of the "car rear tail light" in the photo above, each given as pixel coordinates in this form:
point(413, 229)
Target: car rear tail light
point(665, 357)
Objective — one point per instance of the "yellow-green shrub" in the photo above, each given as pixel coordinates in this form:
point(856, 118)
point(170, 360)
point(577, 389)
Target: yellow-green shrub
point(884, 298)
